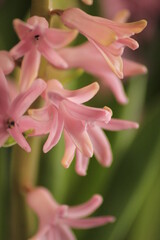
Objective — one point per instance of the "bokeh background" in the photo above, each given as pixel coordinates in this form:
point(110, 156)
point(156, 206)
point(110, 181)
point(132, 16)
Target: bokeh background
point(130, 187)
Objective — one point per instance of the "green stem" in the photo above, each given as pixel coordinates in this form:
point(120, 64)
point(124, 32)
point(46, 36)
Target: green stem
point(24, 168)
point(40, 8)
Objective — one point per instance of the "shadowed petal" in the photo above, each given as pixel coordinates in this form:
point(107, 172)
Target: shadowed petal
point(66, 233)
point(81, 163)
point(78, 96)
point(132, 68)
point(3, 136)
point(89, 222)
point(77, 131)
point(118, 124)
point(69, 151)
point(39, 127)
point(86, 208)
point(55, 131)
point(51, 55)
point(59, 38)
point(86, 113)
point(21, 28)
point(4, 95)
point(19, 138)
point(6, 62)
point(20, 49)
point(29, 69)
point(101, 145)
point(22, 102)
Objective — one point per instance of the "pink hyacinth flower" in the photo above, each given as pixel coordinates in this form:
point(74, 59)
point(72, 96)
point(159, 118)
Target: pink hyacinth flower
point(107, 36)
point(101, 145)
point(66, 111)
point(11, 111)
point(56, 221)
point(36, 39)
point(88, 58)
point(6, 62)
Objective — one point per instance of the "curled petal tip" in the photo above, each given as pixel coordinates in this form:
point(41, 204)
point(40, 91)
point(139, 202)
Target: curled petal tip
point(111, 219)
point(98, 198)
point(144, 69)
point(88, 2)
point(96, 86)
point(108, 110)
point(136, 125)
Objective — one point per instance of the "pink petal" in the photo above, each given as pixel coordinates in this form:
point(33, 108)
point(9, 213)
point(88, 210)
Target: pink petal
point(69, 151)
point(41, 114)
point(6, 62)
point(21, 49)
point(22, 102)
point(29, 69)
point(55, 131)
point(132, 68)
point(89, 222)
point(75, 18)
point(86, 113)
point(21, 28)
point(43, 204)
point(129, 42)
point(81, 163)
point(39, 127)
point(37, 21)
point(59, 38)
point(114, 62)
point(115, 85)
point(78, 96)
point(66, 233)
point(77, 131)
point(85, 209)
point(4, 95)
point(101, 146)
point(117, 125)
point(3, 136)
point(51, 55)
point(88, 2)
point(19, 138)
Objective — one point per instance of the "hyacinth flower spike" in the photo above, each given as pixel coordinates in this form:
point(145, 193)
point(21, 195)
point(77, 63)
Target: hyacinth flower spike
point(6, 62)
point(66, 111)
point(11, 112)
point(88, 58)
point(36, 39)
point(56, 221)
point(107, 36)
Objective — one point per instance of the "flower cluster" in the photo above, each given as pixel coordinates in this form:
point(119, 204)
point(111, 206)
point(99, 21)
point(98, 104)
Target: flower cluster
point(62, 110)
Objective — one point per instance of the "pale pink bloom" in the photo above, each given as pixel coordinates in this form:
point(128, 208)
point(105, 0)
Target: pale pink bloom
point(64, 110)
point(109, 37)
point(6, 62)
point(88, 2)
point(88, 58)
point(101, 145)
point(36, 39)
point(150, 10)
point(56, 221)
point(11, 111)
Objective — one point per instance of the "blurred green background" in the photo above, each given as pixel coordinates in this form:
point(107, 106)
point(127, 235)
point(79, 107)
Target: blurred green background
point(130, 187)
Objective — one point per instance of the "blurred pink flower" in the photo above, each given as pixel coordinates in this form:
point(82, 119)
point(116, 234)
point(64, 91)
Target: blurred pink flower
point(150, 10)
point(88, 58)
point(37, 39)
point(81, 124)
point(6, 62)
point(109, 37)
point(56, 220)
point(65, 110)
point(11, 111)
